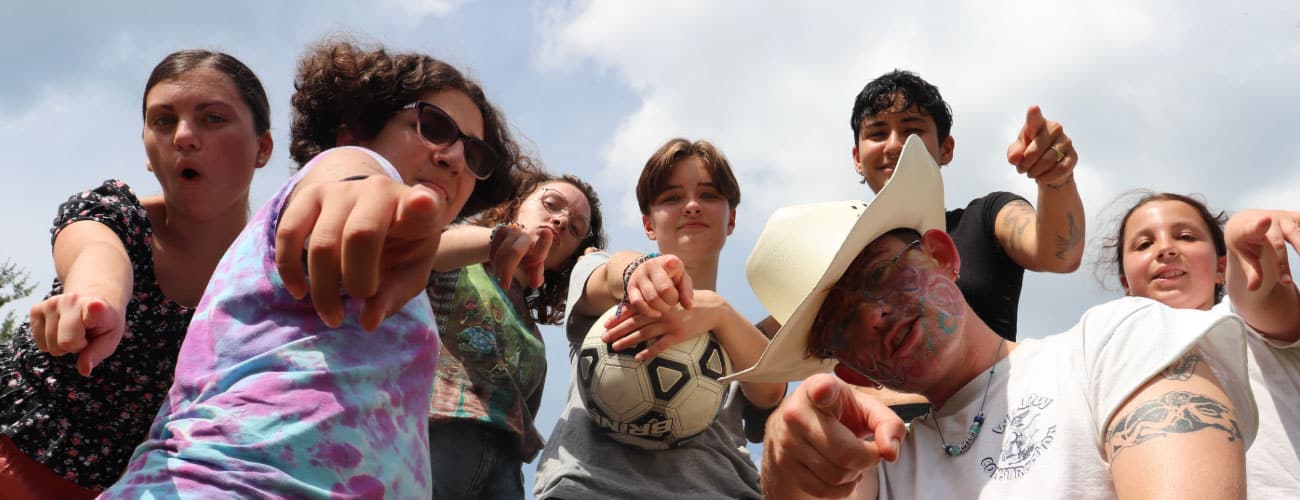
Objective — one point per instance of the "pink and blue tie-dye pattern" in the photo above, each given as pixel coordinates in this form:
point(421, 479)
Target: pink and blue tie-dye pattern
point(269, 402)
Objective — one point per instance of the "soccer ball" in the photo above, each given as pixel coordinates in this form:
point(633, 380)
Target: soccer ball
point(654, 405)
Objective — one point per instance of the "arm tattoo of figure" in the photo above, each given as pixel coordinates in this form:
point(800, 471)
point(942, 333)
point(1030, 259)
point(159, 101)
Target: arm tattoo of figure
point(1018, 219)
point(1177, 412)
point(1072, 238)
point(1183, 368)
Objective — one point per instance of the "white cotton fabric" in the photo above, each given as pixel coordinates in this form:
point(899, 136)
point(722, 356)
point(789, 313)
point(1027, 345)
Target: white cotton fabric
point(1273, 462)
point(1051, 399)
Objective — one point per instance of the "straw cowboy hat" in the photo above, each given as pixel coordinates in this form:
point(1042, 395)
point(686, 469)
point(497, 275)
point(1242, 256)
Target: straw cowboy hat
point(805, 249)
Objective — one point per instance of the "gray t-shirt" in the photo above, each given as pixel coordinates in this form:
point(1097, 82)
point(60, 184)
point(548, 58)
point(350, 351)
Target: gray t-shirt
point(580, 462)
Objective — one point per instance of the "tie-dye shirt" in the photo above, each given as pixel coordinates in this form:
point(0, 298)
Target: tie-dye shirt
point(270, 402)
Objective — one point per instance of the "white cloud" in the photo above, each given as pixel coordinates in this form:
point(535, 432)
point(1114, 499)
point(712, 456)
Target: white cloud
point(1157, 95)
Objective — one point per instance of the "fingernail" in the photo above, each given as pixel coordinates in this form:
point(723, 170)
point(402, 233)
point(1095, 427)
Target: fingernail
point(896, 444)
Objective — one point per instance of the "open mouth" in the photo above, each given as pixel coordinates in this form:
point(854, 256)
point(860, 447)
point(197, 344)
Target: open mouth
point(189, 174)
point(1170, 274)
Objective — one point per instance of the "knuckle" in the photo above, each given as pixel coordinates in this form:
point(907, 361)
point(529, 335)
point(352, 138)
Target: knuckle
point(361, 231)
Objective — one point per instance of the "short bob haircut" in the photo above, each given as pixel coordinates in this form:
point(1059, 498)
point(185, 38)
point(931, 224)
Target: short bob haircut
point(659, 169)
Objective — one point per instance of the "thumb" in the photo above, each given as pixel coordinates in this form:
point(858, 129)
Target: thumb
point(417, 213)
point(826, 395)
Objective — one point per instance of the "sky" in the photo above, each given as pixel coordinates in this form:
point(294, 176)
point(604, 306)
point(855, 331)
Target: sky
point(1182, 96)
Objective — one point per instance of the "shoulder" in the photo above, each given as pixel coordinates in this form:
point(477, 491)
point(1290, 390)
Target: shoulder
point(345, 155)
point(1125, 342)
point(112, 204)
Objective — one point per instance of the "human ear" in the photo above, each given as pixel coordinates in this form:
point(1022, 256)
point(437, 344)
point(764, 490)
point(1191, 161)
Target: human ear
point(648, 227)
point(946, 149)
point(264, 146)
point(939, 246)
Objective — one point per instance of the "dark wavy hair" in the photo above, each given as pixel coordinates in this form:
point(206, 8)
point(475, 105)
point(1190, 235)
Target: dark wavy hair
point(341, 85)
point(659, 169)
point(878, 96)
point(246, 82)
point(1112, 246)
point(546, 304)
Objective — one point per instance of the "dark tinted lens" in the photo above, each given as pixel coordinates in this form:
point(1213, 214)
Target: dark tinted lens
point(480, 157)
point(437, 127)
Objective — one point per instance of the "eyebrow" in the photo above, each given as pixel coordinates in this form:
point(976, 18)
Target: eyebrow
point(909, 119)
point(201, 106)
point(871, 257)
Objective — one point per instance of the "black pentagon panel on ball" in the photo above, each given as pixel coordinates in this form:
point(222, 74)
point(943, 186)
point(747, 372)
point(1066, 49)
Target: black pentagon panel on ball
point(712, 363)
point(667, 377)
point(587, 359)
point(629, 352)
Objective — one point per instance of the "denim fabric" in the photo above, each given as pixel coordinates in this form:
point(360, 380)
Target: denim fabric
point(474, 461)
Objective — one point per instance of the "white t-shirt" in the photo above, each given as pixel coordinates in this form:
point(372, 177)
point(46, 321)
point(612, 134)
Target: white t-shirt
point(1273, 462)
point(1049, 402)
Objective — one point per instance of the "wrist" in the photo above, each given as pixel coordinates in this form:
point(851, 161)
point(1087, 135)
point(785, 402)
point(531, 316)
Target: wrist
point(495, 234)
point(627, 276)
point(1056, 186)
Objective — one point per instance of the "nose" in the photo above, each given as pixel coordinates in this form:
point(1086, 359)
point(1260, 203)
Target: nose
point(560, 220)
point(451, 157)
point(1166, 249)
point(894, 144)
point(876, 315)
point(692, 206)
point(185, 138)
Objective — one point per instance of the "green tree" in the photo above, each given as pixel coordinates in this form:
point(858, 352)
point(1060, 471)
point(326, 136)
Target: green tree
point(15, 284)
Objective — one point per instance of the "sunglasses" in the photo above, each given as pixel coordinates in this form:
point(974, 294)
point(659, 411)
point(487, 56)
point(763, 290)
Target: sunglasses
point(437, 127)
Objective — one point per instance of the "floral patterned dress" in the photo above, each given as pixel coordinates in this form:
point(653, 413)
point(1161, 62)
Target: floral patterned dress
point(85, 429)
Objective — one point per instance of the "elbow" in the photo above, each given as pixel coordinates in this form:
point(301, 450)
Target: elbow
point(1063, 265)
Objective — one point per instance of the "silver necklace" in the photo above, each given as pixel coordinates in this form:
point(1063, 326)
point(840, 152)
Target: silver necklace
point(957, 449)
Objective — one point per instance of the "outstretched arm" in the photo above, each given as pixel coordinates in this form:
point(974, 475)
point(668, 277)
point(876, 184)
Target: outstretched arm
point(506, 249)
point(362, 229)
point(1260, 284)
point(1177, 436)
point(1051, 238)
point(89, 317)
point(604, 288)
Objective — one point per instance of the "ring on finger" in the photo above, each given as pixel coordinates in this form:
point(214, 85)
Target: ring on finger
point(1056, 148)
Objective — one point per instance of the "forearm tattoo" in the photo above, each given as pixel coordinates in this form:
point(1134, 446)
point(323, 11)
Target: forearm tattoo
point(1177, 412)
point(1183, 368)
point(1073, 237)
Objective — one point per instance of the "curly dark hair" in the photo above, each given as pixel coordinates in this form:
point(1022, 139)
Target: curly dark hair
point(1112, 246)
point(879, 94)
point(340, 84)
point(546, 304)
